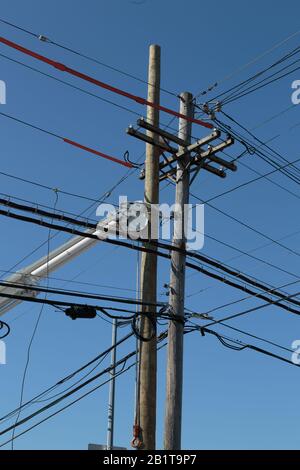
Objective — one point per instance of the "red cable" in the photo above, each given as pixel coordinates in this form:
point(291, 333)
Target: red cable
point(96, 152)
point(64, 68)
point(70, 142)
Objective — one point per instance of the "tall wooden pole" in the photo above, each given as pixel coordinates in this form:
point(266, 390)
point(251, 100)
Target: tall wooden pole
point(112, 388)
point(147, 386)
point(172, 434)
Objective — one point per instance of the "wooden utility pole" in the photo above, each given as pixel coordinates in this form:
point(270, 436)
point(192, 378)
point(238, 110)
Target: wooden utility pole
point(147, 386)
point(172, 435)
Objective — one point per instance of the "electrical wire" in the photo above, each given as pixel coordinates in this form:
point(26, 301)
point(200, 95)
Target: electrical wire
point(254, 180)
point(269, 155)
point(86, 295)
point(67, 378)
point(85, 56)
point(246, 225)
point(77, 388)
point(33, 335)
point(239, 86)
point(238, 345)
point(248, 64)
point(205, 259)
point(5, 326)
point(63, 68)
point(135, 247)
point(68, 141)
point(254, 309)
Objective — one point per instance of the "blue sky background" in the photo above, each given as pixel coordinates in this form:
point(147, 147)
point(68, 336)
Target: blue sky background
point(231, 399)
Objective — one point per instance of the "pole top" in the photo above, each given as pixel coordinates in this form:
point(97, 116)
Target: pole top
point(154, 46)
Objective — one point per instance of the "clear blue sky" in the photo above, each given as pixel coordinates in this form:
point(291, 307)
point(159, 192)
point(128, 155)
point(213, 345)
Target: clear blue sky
point(231, 400)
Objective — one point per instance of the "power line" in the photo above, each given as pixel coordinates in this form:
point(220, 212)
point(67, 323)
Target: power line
point(67, 406)
point(263, 144)
point(215, 263)
point(67, 394)
point(236, 88)
point(78, 387)
point(63, 68)
point(85, 56)
point(86, 295)
point(33, 335)
point(72, 281)
point(68, 377)
point(244, 224)
point(254, 309)
point(140, 248)
point(248, 64)
point(69, 141)
point(82, 90)
point(240, 346)
point(259, 86)
point(252, 296)
point(246, 333)
point(70, 85)
point(263, 155)
point(264, 340)
point(246, 183)
point(53, 189)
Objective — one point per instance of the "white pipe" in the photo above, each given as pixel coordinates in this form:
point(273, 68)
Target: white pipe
point(56, 259)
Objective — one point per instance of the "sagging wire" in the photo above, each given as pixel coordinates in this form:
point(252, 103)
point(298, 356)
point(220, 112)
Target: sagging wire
point(238, 345)
point(3, 325)
point(133, 164)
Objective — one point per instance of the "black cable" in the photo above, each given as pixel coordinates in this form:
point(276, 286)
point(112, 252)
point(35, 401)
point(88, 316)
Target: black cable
point(86, 295)
point(68, 377)
point(33, 126)
point(66, 406)
point(40, 185)
point(72, 281)
point(241, 89)
point(244, 224)
point(3, 324)
point(246, 183)
point(77, 388)
point(199, 257)
point(44, 213)
point(67, 394)
point(234, 302)
point(272, 343)
point(250, 310)
point(70, 85)
point(35, 329)
point(264, 144)
point(256, 75)
point(252, 89)
point(263, 155)
point(240, 346)
point(87, 57)
point(135, 247)
point(101, 199)
point(136, 328)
